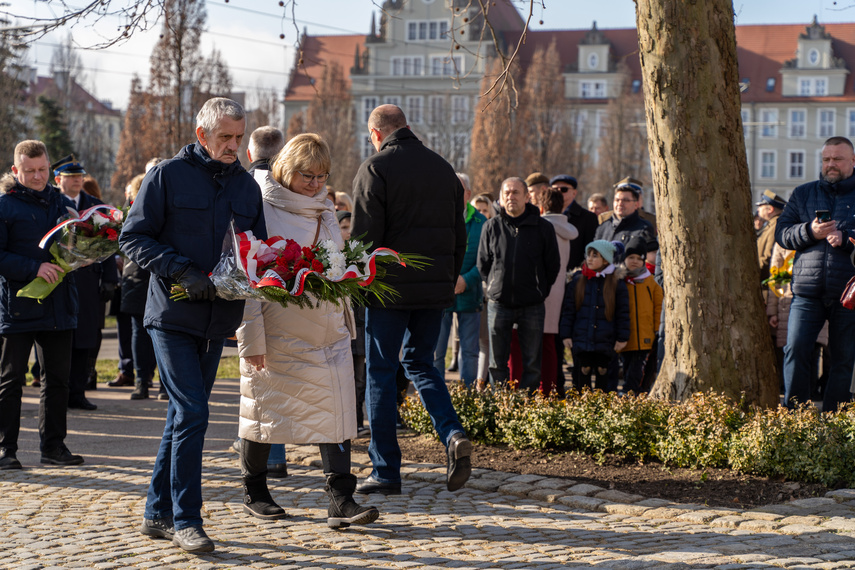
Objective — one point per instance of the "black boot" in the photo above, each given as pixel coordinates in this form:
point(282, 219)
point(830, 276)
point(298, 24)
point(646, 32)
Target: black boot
point(257, 500)
point(141, 390)
point(344, 511)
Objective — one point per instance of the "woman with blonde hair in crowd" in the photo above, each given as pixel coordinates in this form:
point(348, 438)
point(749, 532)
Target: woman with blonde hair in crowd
point(343, 202)
point(297, 383)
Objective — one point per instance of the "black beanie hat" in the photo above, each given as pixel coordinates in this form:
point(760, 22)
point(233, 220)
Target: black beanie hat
point(636, 244)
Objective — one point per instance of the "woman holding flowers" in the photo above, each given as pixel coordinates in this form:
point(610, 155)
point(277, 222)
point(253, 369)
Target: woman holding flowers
point(297, 382)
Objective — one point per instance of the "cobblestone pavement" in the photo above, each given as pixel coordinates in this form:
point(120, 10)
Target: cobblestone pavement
point(87, 516)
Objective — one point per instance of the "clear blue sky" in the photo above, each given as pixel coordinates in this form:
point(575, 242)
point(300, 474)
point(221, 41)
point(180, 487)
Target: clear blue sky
point(247, 32)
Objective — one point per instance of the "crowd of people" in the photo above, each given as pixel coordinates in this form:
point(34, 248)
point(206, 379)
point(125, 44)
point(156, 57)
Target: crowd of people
point(516, 287)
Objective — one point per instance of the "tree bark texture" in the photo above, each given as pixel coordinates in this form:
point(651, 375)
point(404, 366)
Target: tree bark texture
point(716, 336)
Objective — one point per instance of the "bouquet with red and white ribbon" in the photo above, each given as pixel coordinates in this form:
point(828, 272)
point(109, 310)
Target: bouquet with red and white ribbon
point(82, 239)
point(281, 270)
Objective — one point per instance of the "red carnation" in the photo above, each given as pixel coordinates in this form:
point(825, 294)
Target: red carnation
point(301, 264)
point(308, 254)
point(317, 266)
point(112, 234)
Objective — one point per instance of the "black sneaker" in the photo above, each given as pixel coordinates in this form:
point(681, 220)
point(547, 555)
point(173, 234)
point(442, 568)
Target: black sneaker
point(9, 461)
point(193, 539)
point(61, 456)
point(158, 528)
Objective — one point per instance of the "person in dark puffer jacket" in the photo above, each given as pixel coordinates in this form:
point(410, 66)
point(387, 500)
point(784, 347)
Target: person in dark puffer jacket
point(595, 321)
point(821, 270)
point(29, 208)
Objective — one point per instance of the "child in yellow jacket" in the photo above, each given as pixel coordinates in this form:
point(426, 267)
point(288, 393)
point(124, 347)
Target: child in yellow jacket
point(645, 311)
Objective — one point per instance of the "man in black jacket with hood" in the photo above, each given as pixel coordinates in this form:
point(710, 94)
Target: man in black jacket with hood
point(518, 258)
point(408, 198)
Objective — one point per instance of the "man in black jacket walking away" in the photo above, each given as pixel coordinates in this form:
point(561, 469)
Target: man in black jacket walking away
point(518, 258)
point(408, 198)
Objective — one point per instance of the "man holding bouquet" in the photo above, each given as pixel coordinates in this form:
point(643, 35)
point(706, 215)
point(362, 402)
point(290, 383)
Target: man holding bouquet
point(29, 208)
point(175, 230)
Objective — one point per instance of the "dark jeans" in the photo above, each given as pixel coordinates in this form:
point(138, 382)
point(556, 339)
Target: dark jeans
point(529, 321)
point(53, 349)
point(633, 369)
point(188, 366)
point(386, 331)
point(359, 385)
point(124, 330)
point(142, 348)
point(78, 374)
point(807, 316)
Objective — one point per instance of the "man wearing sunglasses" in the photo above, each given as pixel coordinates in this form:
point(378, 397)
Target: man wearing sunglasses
point(582, 219)
point(625, 222)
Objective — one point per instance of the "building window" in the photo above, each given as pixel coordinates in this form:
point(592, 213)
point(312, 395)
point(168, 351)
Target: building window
point(636, 85)
point(445, 65)
point(850, 123)
point(768, 158)
point(744, 114)
point(797, 164)
point(368, 105)
point(437, 110)
point(406, 65)
point(826, 122)
point(813, 86)
point(798, 123)
point(769, 121)
point(392, 100)
point(592, 89)
point(602, 123)
point(414, 109)
point(813, 57)
point(427, 30)
point(770, 84)
point(459, 109)
point(580, 125)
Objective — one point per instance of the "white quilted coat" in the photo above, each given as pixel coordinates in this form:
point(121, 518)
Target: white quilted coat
point(305, 393)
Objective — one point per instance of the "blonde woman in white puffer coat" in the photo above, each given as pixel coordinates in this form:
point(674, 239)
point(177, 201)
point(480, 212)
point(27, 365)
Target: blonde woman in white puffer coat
point(297, 381)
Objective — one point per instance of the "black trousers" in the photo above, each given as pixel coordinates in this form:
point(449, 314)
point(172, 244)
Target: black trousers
point(253, 458)
point(53, 349)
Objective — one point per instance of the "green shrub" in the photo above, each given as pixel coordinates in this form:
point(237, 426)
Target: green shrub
point(800, 444)
point(697, 433)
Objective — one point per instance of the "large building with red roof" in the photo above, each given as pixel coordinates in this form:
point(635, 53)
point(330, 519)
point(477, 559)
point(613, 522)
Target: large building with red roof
point(795, 81)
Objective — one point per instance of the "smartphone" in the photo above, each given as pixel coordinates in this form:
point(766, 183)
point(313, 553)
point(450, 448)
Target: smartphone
point(823, 215)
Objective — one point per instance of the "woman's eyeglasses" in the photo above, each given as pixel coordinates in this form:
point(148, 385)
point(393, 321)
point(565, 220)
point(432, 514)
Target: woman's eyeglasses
point(308, 178)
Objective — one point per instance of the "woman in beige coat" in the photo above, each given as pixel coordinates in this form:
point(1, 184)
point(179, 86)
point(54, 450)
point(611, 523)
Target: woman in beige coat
point(296, 365)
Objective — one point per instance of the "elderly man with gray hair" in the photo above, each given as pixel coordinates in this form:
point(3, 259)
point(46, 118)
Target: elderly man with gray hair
point(264, 143)
point(175, 230)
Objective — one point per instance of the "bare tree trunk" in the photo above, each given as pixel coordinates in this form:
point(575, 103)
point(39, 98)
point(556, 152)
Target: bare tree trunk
point(716, 333)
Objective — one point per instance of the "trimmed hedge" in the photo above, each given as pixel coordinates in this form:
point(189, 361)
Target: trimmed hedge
point(710, 430)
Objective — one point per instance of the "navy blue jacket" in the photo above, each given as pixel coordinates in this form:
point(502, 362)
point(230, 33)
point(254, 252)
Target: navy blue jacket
point(820, 271)
point(588, 327)
point(25, 217)
point(180, 217)
point(519, 263)
point(625, 229)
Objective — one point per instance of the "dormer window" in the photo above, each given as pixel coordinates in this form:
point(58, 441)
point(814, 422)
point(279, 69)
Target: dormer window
point(593, 60)
point(770, 84)
point(813, 57)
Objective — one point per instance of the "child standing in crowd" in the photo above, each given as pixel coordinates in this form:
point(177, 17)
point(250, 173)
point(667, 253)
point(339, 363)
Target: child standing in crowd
point(645, 310)
point(595, 315)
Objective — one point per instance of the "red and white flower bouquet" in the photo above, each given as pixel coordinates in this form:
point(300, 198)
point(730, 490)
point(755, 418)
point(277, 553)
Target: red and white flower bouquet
point(283, 271)
point(88, 237)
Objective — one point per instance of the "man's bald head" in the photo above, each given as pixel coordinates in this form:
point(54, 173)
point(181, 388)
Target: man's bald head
point(387, 119)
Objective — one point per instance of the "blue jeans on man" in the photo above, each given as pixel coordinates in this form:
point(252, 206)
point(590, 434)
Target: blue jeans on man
point(386, 331)
point(188, 366)
point(807, 316)
point(529, 321)
point(468, 328)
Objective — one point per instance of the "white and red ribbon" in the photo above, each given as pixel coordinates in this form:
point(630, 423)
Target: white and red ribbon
point(85, 215)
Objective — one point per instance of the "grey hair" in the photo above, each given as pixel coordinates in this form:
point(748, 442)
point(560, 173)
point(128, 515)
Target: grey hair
point(265, 142)
point(213, 111)
point(464, 179)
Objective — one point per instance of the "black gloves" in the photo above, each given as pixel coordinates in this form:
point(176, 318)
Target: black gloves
point(196, 284)
point(107, 292)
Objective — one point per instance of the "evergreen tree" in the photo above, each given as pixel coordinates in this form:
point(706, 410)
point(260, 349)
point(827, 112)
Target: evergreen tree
point(52, 128)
